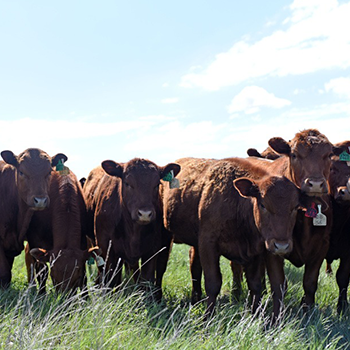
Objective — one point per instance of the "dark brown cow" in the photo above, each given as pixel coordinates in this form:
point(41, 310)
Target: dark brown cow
point(123, 200)
point(220, 209)
point(50, 212)
point(339, 247)
point(307, 163)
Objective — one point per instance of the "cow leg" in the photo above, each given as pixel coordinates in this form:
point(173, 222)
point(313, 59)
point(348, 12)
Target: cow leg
point(162, 261)
point(196, 274)
point(278, 282)
point(253, 275)
point(5, 269)
point(212, 274)
point(343, 275)
point(310, 281)
point(237, 273)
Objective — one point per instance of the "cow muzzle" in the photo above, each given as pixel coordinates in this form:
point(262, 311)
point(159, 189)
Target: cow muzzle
point(40, 203)
point(342, 194)
point(314, 187)
point(144, 217)
point(279, 247)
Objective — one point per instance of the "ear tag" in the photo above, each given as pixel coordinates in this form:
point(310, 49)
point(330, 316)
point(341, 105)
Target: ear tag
point(61, 168)
point(344, 156)
point(99, 260)
point(173, 181)
point(90, 261)
point(311, 212)
point(320, 219)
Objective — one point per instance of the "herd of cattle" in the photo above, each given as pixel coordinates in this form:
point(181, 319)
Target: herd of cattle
point(290, 202)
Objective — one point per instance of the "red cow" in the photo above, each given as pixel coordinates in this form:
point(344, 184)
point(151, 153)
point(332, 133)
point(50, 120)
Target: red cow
point(220, 209)
point(50, 211)
point(124, 204)
point(339, 247)
point(306, 162)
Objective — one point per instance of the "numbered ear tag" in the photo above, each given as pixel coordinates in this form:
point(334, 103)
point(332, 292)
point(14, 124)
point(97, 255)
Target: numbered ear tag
point(61, 168)
point(173, 182)
point(320, 219)
point(311, 212)
point(99, 260)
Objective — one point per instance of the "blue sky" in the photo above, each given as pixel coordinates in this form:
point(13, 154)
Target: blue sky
point(164, 80)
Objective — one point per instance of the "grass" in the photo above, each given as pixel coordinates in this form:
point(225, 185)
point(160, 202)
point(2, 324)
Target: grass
point(129, 319)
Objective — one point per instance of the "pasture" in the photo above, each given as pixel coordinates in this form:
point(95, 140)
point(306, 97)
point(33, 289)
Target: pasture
point(129, 319)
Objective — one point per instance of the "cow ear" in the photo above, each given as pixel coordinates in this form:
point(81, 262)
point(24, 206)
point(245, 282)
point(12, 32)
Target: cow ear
point(9, 158)
point(253, 152)
point(164, 171)
point(40, 255)
point(59, 156)
point(279, 145)
point(112, 168)
point(246, 187)
point(337, 150)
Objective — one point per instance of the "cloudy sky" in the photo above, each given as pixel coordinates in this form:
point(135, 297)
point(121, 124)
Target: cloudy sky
point(163, 80)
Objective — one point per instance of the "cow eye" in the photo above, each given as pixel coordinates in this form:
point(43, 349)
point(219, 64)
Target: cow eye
point(293, 155)
point(20, 173)
point(262, 206)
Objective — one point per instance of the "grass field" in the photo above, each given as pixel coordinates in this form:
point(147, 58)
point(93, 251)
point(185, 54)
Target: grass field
point(129, 319)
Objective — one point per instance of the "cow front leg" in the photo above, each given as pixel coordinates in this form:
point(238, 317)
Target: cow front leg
point(343, 275)
point(310, 281)
point(210, 260)
point(196, 275)
point(237, 274)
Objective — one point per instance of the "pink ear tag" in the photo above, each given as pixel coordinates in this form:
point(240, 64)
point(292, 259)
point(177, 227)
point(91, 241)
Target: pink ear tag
point(320, 219)
point(311, 212)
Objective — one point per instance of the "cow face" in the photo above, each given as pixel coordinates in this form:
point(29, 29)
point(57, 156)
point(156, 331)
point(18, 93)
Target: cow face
point(67, 266)
point(339, 181)
point(33, 175)
point(309, 160)
point(140, 180)
point(275, 206)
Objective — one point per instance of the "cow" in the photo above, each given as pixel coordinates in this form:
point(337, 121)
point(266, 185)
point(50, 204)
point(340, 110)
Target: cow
point(231, 208)
point(306, 161)
point(50, 212)
point(339, 247)
point(125, 211)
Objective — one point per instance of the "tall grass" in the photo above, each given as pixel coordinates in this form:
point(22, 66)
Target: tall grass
point(130, 319)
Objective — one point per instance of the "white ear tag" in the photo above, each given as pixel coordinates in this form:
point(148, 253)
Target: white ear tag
point(174, 183)
point(99, 260)
point(320, 219)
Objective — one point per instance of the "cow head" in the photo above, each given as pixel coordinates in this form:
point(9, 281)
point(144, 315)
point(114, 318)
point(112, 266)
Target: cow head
point(140, 180)
point(339, 178)
point(275, 202)
point(67, 266)
point(309, 160)
point(33, 175)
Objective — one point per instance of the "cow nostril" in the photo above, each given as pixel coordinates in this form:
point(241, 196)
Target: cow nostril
point(280, 246)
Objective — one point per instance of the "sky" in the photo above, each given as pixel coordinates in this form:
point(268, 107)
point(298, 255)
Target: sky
point(162, 80)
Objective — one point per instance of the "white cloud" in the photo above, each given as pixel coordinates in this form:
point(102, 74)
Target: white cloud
point(315, 38)
point(340, 86)
point(170, 100)
point(252, 98)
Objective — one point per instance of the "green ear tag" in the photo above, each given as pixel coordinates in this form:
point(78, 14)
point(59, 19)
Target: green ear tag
point(169, 176)
point(59, 165)
point(90, 261)
point(62, 169)
point(344, 156)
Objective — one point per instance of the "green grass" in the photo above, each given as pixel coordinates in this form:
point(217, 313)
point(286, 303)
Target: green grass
point(129, 319)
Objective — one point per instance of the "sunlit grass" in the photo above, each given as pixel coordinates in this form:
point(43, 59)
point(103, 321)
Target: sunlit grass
point(130, 319)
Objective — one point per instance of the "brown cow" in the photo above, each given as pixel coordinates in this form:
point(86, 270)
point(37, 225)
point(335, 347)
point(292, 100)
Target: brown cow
point(124, 203)
point(339, 247)
point(268, 153)
point(306, 162)
point(220, 209)
point(50, 212)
